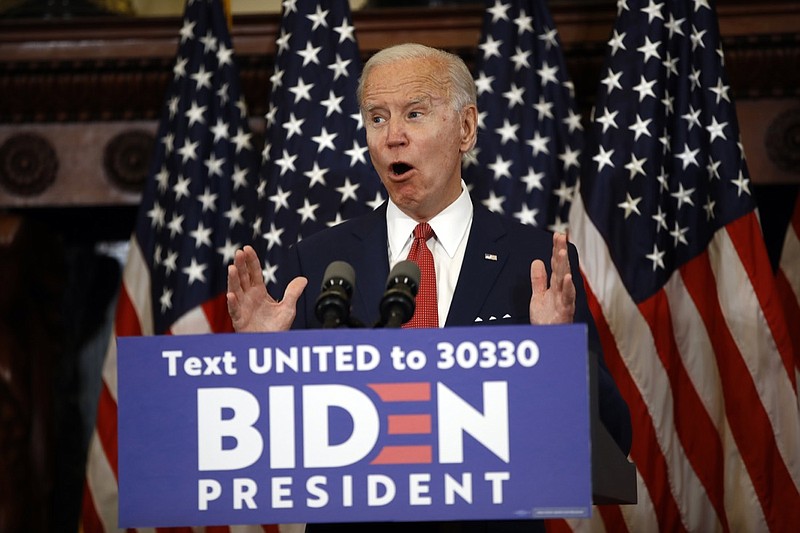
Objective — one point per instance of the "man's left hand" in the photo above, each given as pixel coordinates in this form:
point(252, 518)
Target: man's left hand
point(554, 304)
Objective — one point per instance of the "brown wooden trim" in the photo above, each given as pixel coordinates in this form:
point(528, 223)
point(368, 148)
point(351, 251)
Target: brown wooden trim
point(46, 70)
point(81, 83)
point(452, 28)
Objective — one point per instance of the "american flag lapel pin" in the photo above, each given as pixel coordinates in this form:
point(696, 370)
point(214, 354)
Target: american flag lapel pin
point(490, 257)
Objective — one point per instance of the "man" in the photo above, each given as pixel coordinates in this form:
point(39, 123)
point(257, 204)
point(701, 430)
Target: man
point(420, 113)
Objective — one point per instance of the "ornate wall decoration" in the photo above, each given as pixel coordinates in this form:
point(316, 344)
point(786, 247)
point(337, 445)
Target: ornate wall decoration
point(61, 78)
point(28, 164)
point(782, 141)
point(126, 159)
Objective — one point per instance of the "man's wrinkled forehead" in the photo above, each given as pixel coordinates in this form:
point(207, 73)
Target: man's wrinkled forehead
point(405, 81)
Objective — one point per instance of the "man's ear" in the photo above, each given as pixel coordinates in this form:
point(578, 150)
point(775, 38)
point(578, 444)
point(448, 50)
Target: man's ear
point(469, 127)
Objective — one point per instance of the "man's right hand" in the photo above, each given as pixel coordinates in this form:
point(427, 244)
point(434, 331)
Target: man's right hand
point(251, 307)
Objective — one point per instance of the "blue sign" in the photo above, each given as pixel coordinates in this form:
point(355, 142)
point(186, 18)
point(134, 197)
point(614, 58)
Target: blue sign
point(354, 425)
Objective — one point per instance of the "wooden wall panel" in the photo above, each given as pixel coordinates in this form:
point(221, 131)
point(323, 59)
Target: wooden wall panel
point(78, 84)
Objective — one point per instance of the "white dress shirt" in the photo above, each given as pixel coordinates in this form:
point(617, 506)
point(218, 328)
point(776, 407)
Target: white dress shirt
point(451, 228)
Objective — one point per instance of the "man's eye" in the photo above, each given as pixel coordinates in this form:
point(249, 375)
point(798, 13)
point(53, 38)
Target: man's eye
point(377, 120)
point(414, 114)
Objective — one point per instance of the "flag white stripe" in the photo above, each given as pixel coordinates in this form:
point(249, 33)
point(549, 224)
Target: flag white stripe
point(635, 342)
point(193, 322)
point(642, 516)
point(790, 260)
point(292, 528)
point(741, 501)
point(136, 278)
point(754, 341)
point(730, 401)
point(153, 304)
point(594, 524)
point(698, 358)
point(757, 346)
point(790, 268)
point(102, 484)
point(696, 352)
point(110, 367)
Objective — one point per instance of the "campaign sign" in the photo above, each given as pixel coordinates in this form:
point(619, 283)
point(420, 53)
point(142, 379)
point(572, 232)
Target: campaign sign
point(351, 425)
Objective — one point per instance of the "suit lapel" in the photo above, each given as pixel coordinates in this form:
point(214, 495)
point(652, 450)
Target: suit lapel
point(371, 262)
point(486, 253)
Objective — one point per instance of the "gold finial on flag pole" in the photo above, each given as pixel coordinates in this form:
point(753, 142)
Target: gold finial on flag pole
point(226, 7)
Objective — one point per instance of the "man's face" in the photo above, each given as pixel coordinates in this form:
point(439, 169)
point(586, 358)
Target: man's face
point(415, 137)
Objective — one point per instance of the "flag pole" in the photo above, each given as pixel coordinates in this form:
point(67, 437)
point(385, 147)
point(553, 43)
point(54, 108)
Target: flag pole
point(226, 7)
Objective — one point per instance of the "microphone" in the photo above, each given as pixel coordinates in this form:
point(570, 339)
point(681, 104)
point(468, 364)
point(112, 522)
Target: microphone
point(397, 304)
point(333, 303)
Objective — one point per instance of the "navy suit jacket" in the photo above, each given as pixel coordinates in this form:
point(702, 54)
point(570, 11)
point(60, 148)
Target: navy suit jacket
point(493, 287)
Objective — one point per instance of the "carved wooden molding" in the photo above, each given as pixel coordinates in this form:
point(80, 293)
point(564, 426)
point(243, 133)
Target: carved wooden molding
point(126, 159)
point(118, 69)
point(782, 141)
point(28, 164)
point(98, 163)
point(93, 89)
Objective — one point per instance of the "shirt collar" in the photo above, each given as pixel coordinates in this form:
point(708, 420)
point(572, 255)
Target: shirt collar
point(450, 225)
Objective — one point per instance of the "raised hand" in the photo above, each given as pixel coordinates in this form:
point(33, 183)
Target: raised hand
point(554, 304)
point(251, 307)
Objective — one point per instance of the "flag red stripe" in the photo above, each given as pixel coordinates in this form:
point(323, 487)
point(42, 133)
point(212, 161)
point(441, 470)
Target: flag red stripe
point(613, 519)
point(557, 526)
point(696, 431)
point(645, 450)
point(753, 254)
point(90, 521)
point(216, 311)
point(791, 307)
point(795, 221)
point(176, 308)
point(127, 321)
point(746, 416)
point(788, 283)
point(107, 427)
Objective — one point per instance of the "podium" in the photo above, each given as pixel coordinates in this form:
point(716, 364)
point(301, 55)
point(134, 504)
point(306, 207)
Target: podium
point(613, 476)
point(476, 423)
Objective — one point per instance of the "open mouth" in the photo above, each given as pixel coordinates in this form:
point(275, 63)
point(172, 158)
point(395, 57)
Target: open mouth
point(400, 168)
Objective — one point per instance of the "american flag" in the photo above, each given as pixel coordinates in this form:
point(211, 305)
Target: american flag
point(527, 157)
point(316, 167)
point(198, 207)
point(788, 278)
point(681, 286)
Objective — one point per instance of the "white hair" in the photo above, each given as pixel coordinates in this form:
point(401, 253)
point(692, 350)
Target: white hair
point(461, 86)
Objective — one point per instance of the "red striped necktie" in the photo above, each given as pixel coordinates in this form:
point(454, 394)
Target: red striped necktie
point(426, 314)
